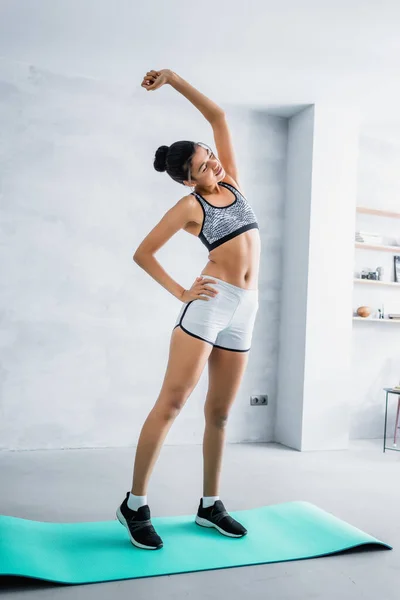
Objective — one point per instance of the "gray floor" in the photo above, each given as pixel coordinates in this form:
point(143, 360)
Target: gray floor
point(361, 486)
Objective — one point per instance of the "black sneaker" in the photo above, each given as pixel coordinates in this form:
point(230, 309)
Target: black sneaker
point(138, 524)
point(216, 516)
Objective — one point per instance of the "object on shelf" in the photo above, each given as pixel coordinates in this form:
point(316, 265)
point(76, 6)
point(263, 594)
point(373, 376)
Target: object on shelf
point(394, 316)
point(369, 274)
point(381, 313)
point(365, 237)
point(396, 260)
point(380, 271)
point(364, 311)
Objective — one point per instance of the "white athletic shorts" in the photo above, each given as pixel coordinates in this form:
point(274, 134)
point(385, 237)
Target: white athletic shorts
point(225, 320)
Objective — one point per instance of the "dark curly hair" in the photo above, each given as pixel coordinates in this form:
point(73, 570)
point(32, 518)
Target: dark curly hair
point(176, 160)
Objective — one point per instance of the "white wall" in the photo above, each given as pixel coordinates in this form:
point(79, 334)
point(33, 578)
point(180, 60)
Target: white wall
point(327, 388)
point(261, 52)
point(314, 392)
point(85, 332)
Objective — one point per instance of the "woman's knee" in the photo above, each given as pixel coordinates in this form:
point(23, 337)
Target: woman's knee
point(171, 402)
point(217, 417)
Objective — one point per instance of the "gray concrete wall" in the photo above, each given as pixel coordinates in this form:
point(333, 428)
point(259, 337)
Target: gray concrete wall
point(85, 332)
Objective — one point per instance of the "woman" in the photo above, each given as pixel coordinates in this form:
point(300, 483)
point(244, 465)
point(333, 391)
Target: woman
point(215, 322)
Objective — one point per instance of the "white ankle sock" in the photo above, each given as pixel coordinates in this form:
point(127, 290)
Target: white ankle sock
point(135, 502)
point(209, 500)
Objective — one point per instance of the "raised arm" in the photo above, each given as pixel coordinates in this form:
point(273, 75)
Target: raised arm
point(214, 114)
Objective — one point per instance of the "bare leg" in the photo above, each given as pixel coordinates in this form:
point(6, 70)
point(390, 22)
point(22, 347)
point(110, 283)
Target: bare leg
point(213, 447)
point(152, 436)
point(226, 370)
point(187, 358)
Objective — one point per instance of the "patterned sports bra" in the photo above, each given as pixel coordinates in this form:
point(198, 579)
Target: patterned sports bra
point(219, 227)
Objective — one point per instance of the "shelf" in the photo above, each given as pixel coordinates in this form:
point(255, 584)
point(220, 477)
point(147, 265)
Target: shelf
point(363, 246)
point(397, 321)
point(380, 248)
point(374, 282)
point(380, 213)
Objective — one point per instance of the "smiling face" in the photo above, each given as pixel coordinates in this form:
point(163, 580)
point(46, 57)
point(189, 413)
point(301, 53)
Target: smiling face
point(206, 170)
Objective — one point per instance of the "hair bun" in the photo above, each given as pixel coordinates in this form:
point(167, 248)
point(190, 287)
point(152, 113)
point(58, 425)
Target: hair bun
point(160, 161)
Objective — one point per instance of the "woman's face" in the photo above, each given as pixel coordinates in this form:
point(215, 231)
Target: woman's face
point(206, 168)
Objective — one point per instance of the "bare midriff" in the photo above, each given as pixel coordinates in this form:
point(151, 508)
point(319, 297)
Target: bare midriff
point(235, 261)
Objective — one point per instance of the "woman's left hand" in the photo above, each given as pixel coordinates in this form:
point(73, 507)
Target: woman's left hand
point(155, 79)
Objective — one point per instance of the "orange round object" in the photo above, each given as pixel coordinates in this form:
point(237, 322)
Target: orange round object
point(364, 311)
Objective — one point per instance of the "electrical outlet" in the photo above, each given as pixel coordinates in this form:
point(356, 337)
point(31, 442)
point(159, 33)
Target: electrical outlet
point(259, 400)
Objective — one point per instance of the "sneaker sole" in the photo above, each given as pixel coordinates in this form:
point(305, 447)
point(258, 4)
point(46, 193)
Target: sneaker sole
point(123, 522)
point(206, 523)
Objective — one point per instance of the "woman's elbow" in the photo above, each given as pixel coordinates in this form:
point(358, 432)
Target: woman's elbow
point(140, 257)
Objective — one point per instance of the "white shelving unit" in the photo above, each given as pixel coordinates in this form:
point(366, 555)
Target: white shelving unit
point(375, 282)
point(381, 213)
point(374, 319)
point(381, 248)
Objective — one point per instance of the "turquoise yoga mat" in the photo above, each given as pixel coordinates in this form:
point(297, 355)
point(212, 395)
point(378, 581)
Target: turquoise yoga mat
point(90, 552)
